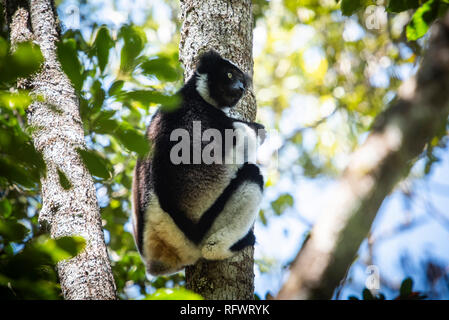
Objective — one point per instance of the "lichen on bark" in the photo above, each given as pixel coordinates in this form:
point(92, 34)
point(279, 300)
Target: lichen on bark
point(57, 134)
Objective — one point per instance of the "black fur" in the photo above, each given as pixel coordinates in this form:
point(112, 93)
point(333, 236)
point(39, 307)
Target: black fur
point(248, 240)
point(142, 177)
point(196, 231)
point(221, 87)
point(178, 185)
point(173, 182)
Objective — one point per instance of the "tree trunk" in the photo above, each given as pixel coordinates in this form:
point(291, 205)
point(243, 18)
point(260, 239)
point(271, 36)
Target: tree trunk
point(58, 133)
point(399, 136)
point(226, 26)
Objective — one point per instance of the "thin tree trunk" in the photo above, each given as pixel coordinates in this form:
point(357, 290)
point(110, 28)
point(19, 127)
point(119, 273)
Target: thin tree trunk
point(399, 136)
point(226, 26)
point(58, 133)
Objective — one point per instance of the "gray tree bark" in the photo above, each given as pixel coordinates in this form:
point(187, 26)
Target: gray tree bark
point(398, 137)
point(58, 133)
point(226, 26)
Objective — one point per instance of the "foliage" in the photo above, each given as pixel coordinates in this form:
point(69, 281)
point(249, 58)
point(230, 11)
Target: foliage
point(282, 203)
point(322, 79)
point(405, 293)
point(426, 12)
point(27, 259)
point(423, 18)
point(174, 294)
point(118, 85)
point(311, 78)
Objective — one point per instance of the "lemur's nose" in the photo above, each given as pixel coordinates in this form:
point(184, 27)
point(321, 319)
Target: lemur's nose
point(241, 85)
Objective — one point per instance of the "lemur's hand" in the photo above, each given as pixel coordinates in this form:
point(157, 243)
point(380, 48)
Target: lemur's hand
point(258, 128)
point(260, 131)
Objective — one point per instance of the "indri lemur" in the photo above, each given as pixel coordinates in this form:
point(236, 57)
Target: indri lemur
point(183, 212)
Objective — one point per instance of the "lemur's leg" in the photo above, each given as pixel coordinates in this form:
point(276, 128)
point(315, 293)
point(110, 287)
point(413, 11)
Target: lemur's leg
point(248, 240)
point(237, 217)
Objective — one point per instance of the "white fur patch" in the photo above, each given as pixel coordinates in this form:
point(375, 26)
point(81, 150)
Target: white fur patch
point(227, 111)
point(245, 149)
point(160, 223)
point(233, 223)
point(203, 88)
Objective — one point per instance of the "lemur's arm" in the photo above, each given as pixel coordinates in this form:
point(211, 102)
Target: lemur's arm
point(258, 128)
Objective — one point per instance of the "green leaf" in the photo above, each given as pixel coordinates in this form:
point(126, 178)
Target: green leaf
point(406, 287)
point(81, 44)
point(402, 5)
point(283, 202)
point(64, 181)
point(85, 110)
point(24, 61)
point(96, 164)
point(4, 49)
point(134, 41)
point(27, 58)
point(98, 96)
point(105, 126)
point(72, 245)
point(102, 44)
point(20, 162)
point(67, 54)
point(348, 7)
point(8, 249)
point(12, 230)
point(291, 5)
point(15, 174)
point(61, 248)
point(168, 102)
point(133, 140)
point(161, 68)
point(262, 217)
point(116, 87)
point(5, 208)
point(174, 294)
point(15, 100)
point(421, 20)
point(367, 295)
point(103, 123)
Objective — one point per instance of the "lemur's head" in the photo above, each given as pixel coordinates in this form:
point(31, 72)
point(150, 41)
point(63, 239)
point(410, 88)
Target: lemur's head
point(219, 81)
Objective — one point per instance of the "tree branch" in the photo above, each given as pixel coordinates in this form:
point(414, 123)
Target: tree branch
point(58, 133)
point(398, 137)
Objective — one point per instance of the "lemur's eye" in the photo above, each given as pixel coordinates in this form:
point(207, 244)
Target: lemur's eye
point(229, 75)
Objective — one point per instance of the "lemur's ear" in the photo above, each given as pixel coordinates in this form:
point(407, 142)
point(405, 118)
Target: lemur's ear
point(210, 54)
point(208, 61)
